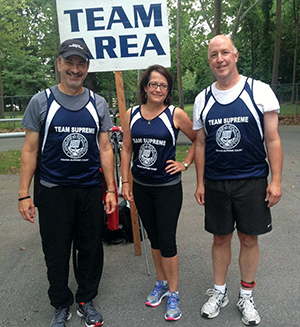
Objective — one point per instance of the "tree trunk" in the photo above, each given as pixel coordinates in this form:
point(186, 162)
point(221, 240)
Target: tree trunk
point(296, 20)
point(179, 77)
point(139, 77)
point(217, 16)
point(276, 46)
point(252, 51)
point(1, 97)
point(56, 41)
point(295, 63)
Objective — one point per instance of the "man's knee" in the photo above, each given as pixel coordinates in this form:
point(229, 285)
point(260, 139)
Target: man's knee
point(220, 240)
point(248, 240)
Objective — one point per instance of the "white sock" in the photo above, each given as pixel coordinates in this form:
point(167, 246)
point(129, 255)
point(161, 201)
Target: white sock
point(244, 292)
point(221, 288)
point(165, 282)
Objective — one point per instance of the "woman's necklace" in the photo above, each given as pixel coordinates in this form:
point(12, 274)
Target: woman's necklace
point(149, 120)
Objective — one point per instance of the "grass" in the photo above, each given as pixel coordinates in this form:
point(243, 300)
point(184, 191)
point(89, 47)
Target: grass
point(7, 127)
point(181, 152)
point(188, 108)
point(10, 160)
point(287, 109)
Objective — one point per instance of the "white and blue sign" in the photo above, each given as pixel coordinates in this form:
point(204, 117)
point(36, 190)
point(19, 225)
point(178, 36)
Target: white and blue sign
point(120, 34)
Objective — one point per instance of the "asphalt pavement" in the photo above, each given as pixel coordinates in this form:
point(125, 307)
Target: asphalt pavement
point(125, 283)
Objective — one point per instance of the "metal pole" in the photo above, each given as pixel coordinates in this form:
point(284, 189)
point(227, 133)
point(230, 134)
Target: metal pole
point(144, 245)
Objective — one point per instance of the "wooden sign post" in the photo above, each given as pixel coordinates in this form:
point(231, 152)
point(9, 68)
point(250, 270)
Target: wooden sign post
point(133, 211)
point(120, 35)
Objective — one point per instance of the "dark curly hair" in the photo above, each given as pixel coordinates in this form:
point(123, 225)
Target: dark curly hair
point(145, 80)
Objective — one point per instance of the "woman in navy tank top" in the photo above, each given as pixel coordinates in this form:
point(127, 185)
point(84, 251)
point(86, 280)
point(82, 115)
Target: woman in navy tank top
point(150, 135)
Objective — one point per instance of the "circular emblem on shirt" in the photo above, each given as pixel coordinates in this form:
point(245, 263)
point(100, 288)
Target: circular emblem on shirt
point(228, 136)
point(147, 155)
point(75, 145)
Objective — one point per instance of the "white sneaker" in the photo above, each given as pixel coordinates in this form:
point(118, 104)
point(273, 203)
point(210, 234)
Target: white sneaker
point(216, 300)
point(246, 305)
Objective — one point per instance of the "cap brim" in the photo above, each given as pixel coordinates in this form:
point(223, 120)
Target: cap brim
point(75, 53)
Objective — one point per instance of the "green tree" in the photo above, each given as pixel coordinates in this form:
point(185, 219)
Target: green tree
point(30, 40)
point(30, 46)
point(11, 35)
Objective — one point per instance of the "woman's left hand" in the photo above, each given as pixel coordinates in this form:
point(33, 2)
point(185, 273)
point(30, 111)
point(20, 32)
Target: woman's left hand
point(174, 167)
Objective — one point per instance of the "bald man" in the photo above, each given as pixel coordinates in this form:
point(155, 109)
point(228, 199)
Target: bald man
point(235, 119)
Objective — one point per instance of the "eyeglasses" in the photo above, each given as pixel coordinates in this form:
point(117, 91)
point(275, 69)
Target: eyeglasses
point(154, 86)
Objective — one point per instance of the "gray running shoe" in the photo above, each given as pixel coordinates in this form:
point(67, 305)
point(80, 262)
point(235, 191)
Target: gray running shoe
point(62, 315)
point(159, 292)
point(173, 311)
point(246, 305)
point(216, 300)
point(91, 316)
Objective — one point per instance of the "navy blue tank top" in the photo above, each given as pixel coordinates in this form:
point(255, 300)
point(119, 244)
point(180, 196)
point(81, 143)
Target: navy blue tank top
point(153, 143)
point(234, 138)
point(69, 148)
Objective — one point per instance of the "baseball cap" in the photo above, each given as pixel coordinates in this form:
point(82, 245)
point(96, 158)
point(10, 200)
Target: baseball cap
point(73, 47)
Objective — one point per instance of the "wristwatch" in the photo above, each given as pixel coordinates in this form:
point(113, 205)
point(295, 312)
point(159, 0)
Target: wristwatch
point(186, 166)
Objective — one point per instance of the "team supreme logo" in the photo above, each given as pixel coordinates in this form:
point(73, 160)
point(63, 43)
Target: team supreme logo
point(147, 155)
point(75, 146)
point(228, 136)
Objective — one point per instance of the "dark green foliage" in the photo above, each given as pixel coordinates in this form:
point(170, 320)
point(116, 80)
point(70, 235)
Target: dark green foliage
point(29, 43)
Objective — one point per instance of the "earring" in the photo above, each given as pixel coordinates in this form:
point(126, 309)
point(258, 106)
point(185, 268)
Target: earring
point(145, 95)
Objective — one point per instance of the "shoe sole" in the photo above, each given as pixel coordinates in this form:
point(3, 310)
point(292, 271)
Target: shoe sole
point(81, 315)
point(69, 316)
point(251, 323)
point(214, 315)
point(156, 303)
point(172, 318)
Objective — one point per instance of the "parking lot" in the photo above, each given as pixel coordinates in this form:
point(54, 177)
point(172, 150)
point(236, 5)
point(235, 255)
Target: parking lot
point(125, 283)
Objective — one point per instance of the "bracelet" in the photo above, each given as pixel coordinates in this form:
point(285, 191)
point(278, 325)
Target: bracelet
point(25, 197)
point(110, 191)
point(125, 182)
point(186, 166)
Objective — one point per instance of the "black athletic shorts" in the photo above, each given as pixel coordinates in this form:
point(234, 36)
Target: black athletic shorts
point(239, 204)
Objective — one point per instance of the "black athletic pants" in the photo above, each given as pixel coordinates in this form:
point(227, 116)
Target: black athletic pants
point(69, 214)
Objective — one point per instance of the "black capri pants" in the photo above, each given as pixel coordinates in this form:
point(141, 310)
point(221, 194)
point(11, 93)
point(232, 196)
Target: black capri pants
point(159, 208)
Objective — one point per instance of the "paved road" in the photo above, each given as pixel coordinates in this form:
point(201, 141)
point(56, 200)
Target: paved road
point(125, 283)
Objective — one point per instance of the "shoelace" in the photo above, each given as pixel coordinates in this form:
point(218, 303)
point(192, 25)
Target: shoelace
point(247, 303)
point(214, 296)
point(172, 302)
point(61, 315)
point(90, 309)
point(157, 289)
